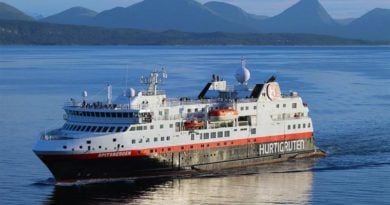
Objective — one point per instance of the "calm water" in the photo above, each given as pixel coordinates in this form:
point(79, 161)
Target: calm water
point(347, 89)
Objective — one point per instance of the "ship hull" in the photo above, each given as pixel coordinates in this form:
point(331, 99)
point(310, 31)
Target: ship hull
point(71, 168)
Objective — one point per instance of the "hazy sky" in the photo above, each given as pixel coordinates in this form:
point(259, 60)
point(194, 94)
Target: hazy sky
point(336, 8)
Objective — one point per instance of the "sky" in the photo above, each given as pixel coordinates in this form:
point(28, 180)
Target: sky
point(337, 8)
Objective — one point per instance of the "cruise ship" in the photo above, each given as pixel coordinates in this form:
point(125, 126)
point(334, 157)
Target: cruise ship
point(145, 133)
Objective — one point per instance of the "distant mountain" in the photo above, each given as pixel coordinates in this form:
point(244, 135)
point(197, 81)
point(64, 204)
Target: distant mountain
point(344, 21)
point(160, 15)
point(11, 13)
point(38, 33)
point(75, 16)
point(306, 16)
point(234, 14)
point(375, 25)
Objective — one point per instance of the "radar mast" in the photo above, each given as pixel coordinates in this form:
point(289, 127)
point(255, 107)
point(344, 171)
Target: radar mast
point(156, 77)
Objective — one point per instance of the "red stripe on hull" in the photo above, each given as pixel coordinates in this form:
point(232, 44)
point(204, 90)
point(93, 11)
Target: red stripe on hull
point(180, 148)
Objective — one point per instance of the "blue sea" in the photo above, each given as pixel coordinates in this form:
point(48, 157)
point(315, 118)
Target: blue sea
point(346, 88)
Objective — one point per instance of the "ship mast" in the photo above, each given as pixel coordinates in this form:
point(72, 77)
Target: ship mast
point(156, 77)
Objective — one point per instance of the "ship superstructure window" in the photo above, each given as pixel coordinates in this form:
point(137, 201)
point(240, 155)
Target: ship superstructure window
point(294, 127)
point(112, 129)
point(133, 141)
point(168, 138)
point(304, 125)
point(170, 125)
point(192, 136)
point(155, 139)
point(253, 131)
point(206, 136)
point(289, 127)
point(213, 135)
point(284, 105)
point(299, 126)
point(294, 105)
point(118, 129)
point(227, 133)
point(277, 105)
point(161, 126)
point(132, 128)
point(220, 134)
point(308, 125)
point(147, 140)
point(255, 107)
point(162, 138)
point(151, 127)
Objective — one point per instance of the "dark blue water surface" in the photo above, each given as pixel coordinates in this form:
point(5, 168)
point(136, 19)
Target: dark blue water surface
point(347, 89)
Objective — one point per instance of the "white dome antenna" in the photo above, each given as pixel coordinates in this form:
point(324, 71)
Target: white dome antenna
point(243, 74)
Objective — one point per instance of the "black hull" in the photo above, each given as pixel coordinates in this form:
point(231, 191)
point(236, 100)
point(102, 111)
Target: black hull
point(169, 164)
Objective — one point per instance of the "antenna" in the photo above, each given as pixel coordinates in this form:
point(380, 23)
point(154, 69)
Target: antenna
point(109, 93)
point(156, 77)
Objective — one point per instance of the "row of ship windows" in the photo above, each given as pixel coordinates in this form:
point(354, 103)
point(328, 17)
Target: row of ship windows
point(205, 136)
point(298, 126)
point(247, 108)
point(293, 105)
point(103, 114)
point(84, 128)
point(144, 127)
point(155, 139)
point(211, 135)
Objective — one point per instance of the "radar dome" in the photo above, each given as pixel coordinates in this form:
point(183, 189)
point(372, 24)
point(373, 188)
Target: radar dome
point(243, 74)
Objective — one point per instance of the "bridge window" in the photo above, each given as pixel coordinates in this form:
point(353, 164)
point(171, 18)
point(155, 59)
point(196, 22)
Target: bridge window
point(105, 129)
point(139, 127)
point(120, 115)
point(118, 129)
point(125, 115)
point(112, 129)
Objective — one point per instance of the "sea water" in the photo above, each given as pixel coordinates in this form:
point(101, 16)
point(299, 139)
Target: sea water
point(346, 88)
